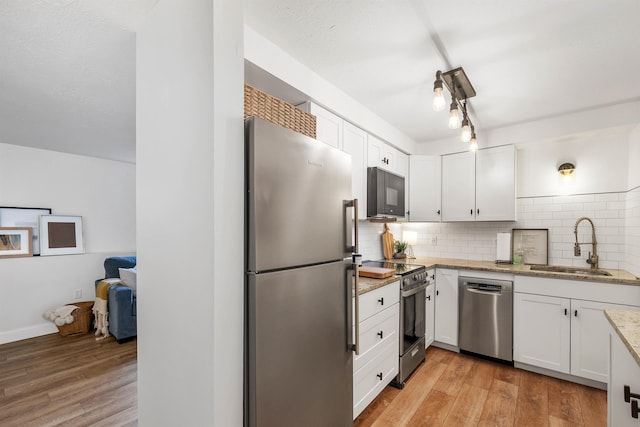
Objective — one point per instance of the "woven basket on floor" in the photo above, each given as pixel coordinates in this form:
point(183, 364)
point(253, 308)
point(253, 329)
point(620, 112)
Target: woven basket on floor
point(83, 319)
point(274, 110)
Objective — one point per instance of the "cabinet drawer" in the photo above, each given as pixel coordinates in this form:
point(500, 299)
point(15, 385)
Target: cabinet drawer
point(369, 381)
point(376, 333)
point(377, 300)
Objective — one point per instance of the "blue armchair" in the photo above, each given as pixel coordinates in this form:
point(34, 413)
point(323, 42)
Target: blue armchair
point(121, 301)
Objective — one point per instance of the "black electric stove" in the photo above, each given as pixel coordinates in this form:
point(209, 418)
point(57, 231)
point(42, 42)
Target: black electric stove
point(402, 269)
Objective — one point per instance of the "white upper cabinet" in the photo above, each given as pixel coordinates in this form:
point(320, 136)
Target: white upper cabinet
point(381, 155)
point(328, 125)
point(458, 187)
point(480, 186)
point(496, 184)
point(354, 142)
point(424, 188)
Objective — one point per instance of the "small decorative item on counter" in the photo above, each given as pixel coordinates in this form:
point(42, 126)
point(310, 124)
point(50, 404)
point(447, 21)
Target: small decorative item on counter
point(518, 256)
point(400, 247)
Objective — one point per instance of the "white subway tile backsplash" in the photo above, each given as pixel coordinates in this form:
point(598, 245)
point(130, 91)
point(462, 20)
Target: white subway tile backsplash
point(615, 215)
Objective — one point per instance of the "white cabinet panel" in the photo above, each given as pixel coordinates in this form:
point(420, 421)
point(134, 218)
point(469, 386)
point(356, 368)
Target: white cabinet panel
point(624, 371)
point(430, 313)
point(328, 125)
point(479, 186)
point(541, 331)
point(376, 332)
point(446, 305)
point(496, 184)
point(354, 142)
point(590, 338)
point(458, 187)
point(381, 155)
point(425, 186)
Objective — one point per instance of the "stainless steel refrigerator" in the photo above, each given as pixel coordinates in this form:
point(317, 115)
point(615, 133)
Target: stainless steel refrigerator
point(298, 281)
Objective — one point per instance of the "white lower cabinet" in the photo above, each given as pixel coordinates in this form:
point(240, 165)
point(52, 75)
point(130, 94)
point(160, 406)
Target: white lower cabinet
point(446, 306)
point(430, 314)
point(564, 334)
point(430, 309)
point(590, 338)
point(377, 363)
point(624, 371)
point(541, 331)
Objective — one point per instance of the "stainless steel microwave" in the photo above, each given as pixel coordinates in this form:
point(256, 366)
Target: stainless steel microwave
point(385, 194)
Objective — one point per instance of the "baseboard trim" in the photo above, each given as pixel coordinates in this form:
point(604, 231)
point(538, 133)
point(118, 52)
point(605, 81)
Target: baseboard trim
point(28, 332)
point(562, 376)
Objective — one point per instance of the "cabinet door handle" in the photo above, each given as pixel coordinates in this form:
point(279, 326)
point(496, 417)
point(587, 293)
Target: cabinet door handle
point(438, 212)
point(380, 334)
point(628, 395)
point(565, 311)
point(477, 211)
point(381, 301)
point(634, 409)
point(379, 376)
point(429, 297)
point(437, 293)
point(470, 211)
point(575, 313)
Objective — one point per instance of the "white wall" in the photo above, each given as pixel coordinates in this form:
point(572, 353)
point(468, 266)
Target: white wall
point(190, 214)
point(606, 162)
point(632, 223)
point(601, 160)
point(101, 191)
point(277, 62)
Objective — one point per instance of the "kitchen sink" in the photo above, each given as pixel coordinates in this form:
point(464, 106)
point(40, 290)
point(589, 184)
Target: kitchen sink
point(573, 270)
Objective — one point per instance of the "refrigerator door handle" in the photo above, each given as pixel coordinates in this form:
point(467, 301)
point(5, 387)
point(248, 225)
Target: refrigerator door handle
point(351, 204)
point(355, 266)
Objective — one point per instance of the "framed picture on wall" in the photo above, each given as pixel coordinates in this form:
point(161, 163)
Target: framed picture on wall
point(24, 217)
point(15, 242)
point(533, 244)
point(61, 235)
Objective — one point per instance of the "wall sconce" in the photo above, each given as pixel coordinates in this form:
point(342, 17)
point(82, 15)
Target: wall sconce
point(461, 89)
point(411, 238)
point(566, 171)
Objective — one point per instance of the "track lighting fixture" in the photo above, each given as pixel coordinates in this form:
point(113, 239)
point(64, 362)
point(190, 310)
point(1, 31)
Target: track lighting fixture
point(461, 89)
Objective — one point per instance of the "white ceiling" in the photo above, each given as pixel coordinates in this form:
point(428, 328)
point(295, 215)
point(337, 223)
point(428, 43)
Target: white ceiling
point(67, 75)
point(527, 60)
point(67, 67)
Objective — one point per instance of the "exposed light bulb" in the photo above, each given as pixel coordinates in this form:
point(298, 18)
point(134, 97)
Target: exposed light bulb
point(473, 144)
point(438, 99)
point(466, 130)
point(454, 119)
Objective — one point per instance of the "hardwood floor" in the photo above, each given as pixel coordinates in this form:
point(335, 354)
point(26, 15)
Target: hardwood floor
point(452, 389)
point(68, 381)
point(78, 381)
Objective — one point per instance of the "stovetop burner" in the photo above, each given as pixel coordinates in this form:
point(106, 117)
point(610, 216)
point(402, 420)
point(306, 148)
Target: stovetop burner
point(402, 269)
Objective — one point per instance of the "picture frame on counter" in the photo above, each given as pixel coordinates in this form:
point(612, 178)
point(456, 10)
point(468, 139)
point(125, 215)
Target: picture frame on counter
point(24, 217)
point(531, 244)
point(16, 242)
point(61, 235)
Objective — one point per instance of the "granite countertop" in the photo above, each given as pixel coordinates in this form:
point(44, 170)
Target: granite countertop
point(627, 325)
point(617, 276)
point(367, 284)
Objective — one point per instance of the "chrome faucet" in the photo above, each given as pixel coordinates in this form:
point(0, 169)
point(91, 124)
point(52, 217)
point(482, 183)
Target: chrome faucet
point(593, 259)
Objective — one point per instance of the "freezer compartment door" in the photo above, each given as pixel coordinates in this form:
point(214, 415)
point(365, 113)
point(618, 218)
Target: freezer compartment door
point(299, 361)
point(296, 192)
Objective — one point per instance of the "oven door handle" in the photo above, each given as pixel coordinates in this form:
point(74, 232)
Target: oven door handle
point(413, 291)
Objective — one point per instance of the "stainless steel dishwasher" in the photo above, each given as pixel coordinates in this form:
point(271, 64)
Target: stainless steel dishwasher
point(485, 324)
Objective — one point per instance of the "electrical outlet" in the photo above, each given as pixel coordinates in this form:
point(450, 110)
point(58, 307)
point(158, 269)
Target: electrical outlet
point(434, 240)
point(77, 294)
